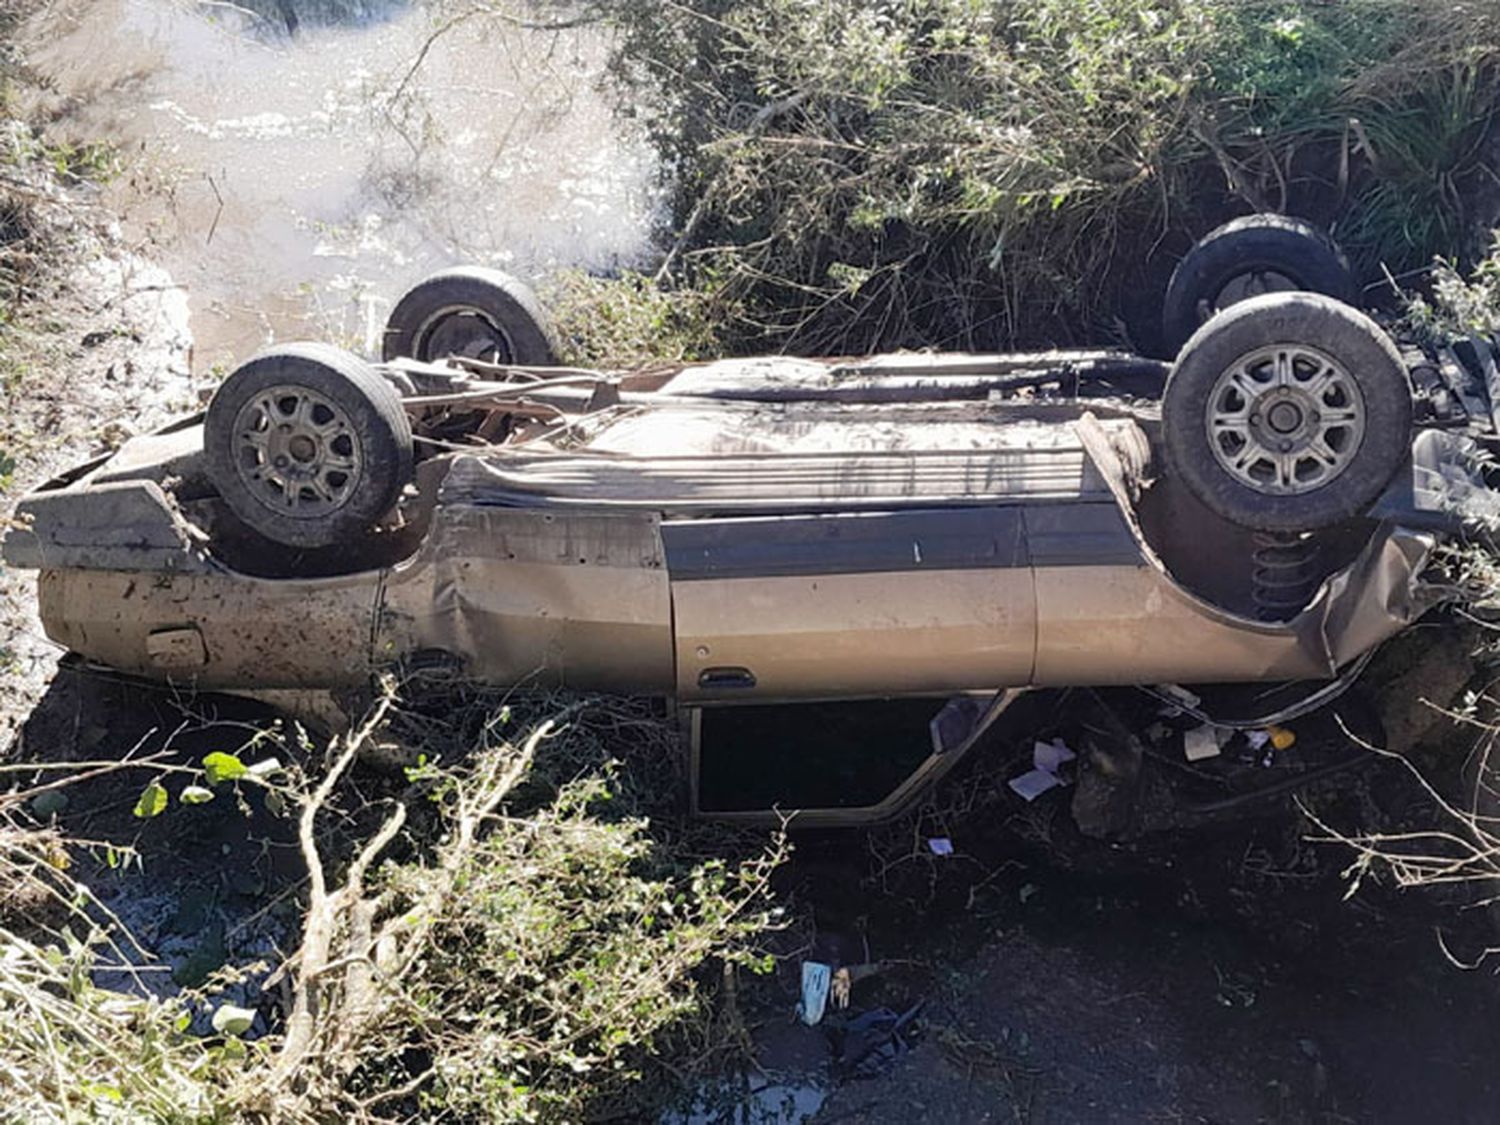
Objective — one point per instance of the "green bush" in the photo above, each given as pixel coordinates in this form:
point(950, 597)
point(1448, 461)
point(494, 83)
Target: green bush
point(629, 321)
point(851, 176)
point(517, 929)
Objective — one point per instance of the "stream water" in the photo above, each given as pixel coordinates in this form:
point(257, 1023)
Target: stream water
point(296, 164)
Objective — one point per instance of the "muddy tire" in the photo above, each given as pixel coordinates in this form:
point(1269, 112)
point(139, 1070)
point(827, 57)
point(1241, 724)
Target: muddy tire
point(475, 312)
point(308, 445)
point(1287, 412)
point(1248, 257)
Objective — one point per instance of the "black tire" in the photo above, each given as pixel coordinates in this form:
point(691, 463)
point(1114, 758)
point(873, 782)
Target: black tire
point(1365, 376)
point(1260, 253)
point(472, 311)
point(319, 460)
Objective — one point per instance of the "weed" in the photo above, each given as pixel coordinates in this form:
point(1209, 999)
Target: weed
point(515, 931)
point(1459, 305)
point(852, 177)
point(628, 321)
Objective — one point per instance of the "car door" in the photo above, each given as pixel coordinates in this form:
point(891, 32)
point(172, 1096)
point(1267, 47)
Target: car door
point(850, 605)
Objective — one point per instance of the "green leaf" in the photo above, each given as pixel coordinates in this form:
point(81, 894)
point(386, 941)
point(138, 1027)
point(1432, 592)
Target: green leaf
point(101, 1090)
point(220, 766)
point(152, 802)
point(196, 795)
point(229, 1020)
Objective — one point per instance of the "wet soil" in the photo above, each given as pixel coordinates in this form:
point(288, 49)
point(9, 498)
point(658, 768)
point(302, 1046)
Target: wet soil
point(101, 352)
point(1216, 974)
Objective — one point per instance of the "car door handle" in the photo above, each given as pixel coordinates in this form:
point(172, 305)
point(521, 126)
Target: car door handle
point(726, 679)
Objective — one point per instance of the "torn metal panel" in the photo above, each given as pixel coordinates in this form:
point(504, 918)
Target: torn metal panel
point(572, 599)
point(1441, 489)
point(1374, 598)
point(125, 525)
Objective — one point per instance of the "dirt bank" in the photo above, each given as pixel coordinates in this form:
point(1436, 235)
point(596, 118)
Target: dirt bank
point(97, 348)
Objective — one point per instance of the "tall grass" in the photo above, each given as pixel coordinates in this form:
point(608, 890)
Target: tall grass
point(850, 176)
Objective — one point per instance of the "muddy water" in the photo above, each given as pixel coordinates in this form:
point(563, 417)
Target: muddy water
point(290, 163)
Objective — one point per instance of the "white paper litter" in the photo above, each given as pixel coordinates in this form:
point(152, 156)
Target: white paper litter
point(1046, 758)
point(1257, 738)
point(816, 978)
point(1033, 783)
point(940, 845)
point(1202, 742)
point(1049, 756)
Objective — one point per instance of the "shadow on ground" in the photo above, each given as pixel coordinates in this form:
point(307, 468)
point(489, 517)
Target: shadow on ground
point(1213, 974)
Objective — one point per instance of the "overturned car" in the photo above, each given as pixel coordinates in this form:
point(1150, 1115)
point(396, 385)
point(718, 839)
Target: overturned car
point(750, 532)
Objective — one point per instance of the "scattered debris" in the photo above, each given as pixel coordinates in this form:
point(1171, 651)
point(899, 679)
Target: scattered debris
point(875, 1040)
point(1047, 759)
point(1180, 701)
point(1051, 756)
point(1033, 783)
point(1204, 742)
point(816, 979)
point(940, 845)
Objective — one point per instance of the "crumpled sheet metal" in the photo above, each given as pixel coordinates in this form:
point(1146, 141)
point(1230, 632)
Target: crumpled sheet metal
point(515, 596)
point(579, 594)
point(1380, 593)
point(524, 596)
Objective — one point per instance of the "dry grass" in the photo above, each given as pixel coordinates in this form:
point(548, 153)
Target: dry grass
point(518, 928)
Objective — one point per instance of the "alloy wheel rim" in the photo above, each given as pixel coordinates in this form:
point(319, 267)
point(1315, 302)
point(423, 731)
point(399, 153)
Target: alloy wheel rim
point(463, 331)
point(1285, 420)
point(297, 451)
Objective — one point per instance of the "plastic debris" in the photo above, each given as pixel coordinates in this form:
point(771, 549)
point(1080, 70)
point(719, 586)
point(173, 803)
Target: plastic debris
point(816, 979)
point(1281, 738)
point(1204, 742)
point(940, 845)
point(874, 1040)
point(1257, 738)
point(1183, 701)
point(843, 985)
point(1047, 759)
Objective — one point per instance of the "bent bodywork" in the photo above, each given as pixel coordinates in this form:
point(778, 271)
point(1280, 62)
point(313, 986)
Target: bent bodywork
point(719, 553)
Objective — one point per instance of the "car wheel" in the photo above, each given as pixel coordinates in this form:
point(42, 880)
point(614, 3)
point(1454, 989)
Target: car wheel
point(473, 312)
point(1287, 412)
point(1249, 257)
point(308, 445)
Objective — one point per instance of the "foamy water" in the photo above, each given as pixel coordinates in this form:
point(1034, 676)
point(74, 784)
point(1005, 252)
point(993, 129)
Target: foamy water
point(297, 184)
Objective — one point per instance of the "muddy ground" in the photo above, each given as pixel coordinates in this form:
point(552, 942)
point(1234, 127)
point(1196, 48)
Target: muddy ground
point(1209, 974)
point(1215, 974)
